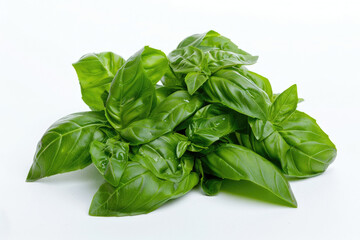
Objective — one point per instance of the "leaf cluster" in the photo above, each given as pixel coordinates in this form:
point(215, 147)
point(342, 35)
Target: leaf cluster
point(160, 125)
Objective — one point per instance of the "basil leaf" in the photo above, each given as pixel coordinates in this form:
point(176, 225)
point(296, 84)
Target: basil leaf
point(181, 147)
point(95, 72)
point(235, 91)
point(209, 184)
point(173, 80)
point(219, 59)
point(236, 162)
point(284, 105)
point(161, 157)
point(260, 128)
point(139, 192)
point(163, 119)
point(194, 81)
point(162, 93)
point(65, 145)
point(189, 59)
point(212, 122)
point(299, 145)
point(132, 93)
point(110, 159)
point(211, 40)
point(260, 81)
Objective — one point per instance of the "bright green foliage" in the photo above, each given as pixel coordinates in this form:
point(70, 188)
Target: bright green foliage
point(210, 119)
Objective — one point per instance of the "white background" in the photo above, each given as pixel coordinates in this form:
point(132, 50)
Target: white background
point(315, 44)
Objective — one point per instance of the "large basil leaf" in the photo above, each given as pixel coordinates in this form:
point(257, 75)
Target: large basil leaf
point(110, 159)
point(95, 72)
point(162, 157)
point(132, 93)
point(291, 138)
point(298, 144)
point(139, 192)
point(236, 162)
point(163, 119)
point(260, 81)
point(237, 92)
point(212, 122)
point(65, 145)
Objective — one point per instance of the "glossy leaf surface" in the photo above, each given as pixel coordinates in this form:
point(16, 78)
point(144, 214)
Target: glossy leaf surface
point(284, 105)
point(188, 59)
point(95, 72)
point(211, 40)
point(132, 93)
point(161, 157)
point(260, 81)
point(219, 59)
point(65, 145)
point(194, 81)
point(212, 122)
point(236, 162)
point(163, 119)
point(299, 145)
point(209, 184)
point(139, 192)
point(110, 159)
point(235, 91)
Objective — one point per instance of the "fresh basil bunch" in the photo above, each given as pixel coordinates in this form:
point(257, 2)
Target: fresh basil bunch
point(210, 119)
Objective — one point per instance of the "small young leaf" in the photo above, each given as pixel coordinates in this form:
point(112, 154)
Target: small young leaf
point(284, 105)
point(194, 80)
point(110, 159)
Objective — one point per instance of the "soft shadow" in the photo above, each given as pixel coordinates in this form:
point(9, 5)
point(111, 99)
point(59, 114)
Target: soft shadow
point(246, 189)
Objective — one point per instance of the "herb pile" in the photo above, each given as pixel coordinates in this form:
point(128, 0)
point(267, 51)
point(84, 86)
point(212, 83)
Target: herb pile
point(211, 119)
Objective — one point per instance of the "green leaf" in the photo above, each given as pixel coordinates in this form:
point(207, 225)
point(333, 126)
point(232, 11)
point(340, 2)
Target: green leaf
point(95, 72)
point(163, 119)
point(284, 105)
point(261, 129)
point(181, 148)
point(188, 59)
point(212, 122)
point(132, 93)
point(260, 81)
point(299, 145)
point(237, 92)
point(211, 40)
point(139, 192)
point(194, 81)
point(110, 159)
point(161, 157)
point(236, 162)
point(219, 59)
point(162, 93)
point(173, 80)
point(65, 145)
point(209, 184)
